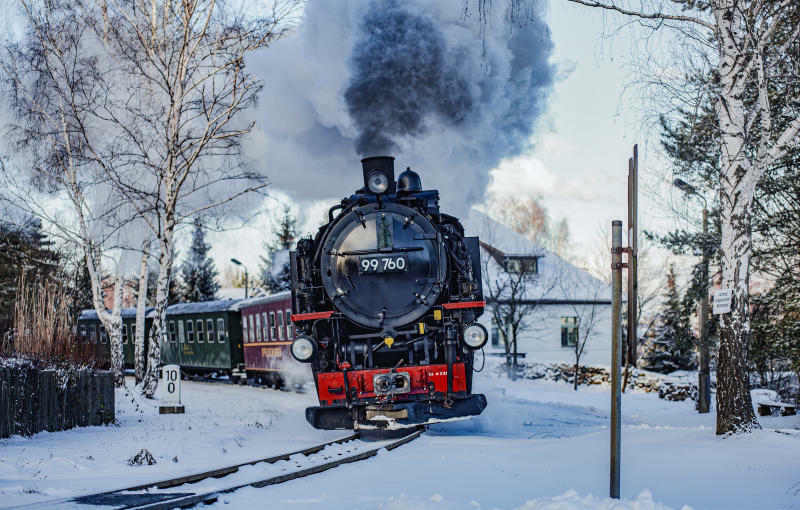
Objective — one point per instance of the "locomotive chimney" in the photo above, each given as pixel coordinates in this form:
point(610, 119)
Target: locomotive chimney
point(379, 174)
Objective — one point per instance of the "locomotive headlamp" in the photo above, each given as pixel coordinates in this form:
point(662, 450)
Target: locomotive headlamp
point(303, 349)
point(377, 182)
point(475, 335)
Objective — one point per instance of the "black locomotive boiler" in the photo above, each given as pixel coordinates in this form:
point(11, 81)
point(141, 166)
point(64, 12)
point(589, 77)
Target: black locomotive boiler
point(385, 301)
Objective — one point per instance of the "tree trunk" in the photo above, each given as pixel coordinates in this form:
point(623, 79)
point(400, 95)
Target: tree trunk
point(734, 404)
point(514, 343)
point(737, 185)
point(157, 330)
point(141, 303)
point(113, 324)
point(575, 378)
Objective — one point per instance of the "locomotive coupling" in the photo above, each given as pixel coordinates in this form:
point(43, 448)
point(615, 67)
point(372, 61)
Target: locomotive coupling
point(391, 383)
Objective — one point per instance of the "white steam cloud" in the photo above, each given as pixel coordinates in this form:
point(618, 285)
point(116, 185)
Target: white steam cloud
point(411, 79)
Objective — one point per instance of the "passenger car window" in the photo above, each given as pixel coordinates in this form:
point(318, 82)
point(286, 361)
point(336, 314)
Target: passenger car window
point(221, 330)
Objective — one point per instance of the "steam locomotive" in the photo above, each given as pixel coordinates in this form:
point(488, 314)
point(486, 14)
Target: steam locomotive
point(385, 303)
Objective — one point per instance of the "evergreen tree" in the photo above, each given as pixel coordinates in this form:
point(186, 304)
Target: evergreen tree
point(23, 248)
point(673, 346)
point(274, 272)
point(198, 272)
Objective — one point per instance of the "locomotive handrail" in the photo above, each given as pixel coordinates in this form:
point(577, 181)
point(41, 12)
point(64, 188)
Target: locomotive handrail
point(376, 250)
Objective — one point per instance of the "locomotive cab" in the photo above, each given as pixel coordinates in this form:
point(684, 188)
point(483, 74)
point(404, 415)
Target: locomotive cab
point(386, 299)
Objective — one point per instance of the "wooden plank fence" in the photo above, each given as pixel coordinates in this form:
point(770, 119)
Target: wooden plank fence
point(33, 400)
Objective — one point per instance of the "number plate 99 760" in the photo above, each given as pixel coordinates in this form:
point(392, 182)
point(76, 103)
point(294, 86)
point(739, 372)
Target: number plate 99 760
point(383, 264)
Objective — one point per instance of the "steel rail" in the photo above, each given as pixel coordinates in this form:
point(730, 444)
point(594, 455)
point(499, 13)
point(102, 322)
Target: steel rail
point(126, 498)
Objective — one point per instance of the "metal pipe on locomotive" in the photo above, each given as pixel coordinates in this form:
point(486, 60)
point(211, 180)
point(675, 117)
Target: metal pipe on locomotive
point(385, 301)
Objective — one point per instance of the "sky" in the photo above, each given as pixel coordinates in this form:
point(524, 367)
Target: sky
point(580, 146)
point(576, 164)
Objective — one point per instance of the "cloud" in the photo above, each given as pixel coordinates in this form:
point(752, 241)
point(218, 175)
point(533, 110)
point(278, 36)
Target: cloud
point(412, 78)
point(528, 176)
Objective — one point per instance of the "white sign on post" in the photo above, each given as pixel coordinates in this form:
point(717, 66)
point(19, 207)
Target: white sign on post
point(172, 384)
point(722, 301)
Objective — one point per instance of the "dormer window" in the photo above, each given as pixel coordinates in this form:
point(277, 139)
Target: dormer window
point(520, 264)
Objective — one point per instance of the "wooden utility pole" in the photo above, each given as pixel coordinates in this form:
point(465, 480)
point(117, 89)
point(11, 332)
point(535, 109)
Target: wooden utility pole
point(633, 254)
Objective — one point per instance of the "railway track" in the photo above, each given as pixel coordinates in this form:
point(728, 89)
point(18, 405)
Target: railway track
point(207, 486)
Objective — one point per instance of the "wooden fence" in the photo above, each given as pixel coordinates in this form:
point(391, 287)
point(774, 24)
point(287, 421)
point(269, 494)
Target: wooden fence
point(33, 400)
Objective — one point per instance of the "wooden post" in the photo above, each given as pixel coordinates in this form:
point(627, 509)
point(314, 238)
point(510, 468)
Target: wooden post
point(633, 253)
point(616, 350)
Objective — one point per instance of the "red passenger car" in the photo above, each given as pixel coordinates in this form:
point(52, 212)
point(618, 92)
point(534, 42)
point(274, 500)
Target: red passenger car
point(267, 331)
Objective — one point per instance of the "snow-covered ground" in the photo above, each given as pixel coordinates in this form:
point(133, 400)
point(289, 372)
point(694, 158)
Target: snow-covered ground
point(539, 445)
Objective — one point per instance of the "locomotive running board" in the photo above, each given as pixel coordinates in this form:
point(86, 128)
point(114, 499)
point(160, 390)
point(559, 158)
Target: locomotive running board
point(401, 414)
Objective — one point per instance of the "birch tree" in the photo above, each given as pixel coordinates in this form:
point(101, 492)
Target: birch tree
point(185, 66)
point(746, 39)
point(165, 118)
point(52, 85)
point(139, 354)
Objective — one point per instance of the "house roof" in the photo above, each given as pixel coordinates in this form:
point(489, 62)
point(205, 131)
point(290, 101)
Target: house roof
point(558, 281)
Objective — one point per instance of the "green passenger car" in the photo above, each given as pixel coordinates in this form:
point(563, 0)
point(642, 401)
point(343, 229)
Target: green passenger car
point(205, 338)
point(90, 329)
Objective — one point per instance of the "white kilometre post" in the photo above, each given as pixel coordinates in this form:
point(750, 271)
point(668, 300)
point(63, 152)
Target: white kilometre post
point(171, 388)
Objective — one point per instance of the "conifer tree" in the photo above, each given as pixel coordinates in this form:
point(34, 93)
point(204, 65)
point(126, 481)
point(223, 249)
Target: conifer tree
point(23, 248)
point(274, 273)
point(198, 272)
point(673, 346)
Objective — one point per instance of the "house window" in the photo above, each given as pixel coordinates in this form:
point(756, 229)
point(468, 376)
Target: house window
point(172, 337)
point(190, 331)
point(521, 265)
point(289, 324)
point(201, 337)
point(495, 334)
point(569, 331)
point(272, 325)
point(221, 330)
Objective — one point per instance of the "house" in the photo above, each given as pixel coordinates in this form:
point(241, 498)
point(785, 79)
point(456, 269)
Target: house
point(556, 305)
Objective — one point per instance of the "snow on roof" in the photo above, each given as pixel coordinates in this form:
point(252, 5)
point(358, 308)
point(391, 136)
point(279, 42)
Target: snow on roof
point(557, 279)
point(261, 300)
point(127, 313)
point(221, 305)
